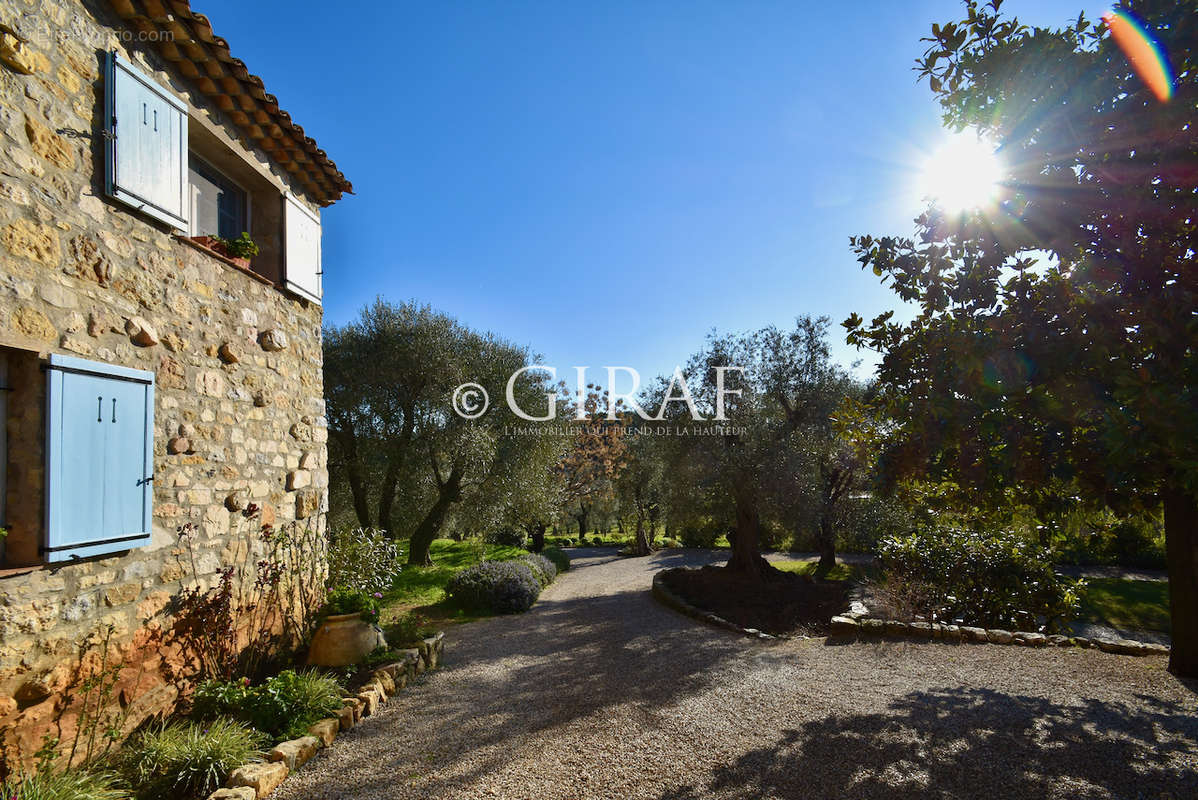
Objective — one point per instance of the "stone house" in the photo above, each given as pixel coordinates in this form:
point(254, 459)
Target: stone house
point(149, 379)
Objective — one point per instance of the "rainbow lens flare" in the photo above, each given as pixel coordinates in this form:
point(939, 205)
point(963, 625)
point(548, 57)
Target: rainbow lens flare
point(1146, 56)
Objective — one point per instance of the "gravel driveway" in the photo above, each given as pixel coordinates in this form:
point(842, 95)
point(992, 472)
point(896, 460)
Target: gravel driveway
point(599, 692)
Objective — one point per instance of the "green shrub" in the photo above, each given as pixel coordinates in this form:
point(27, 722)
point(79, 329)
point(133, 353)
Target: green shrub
point(409, 628)
point(185, 759)
point(559, 558)
point(502, 587)
point(866, 521)
point(363, 559)
point(670, 542)
point(506, 537)
point(66, 785)
point(1104, 538)
point(344, 600)
point(995, 580)
point(699, 536)
point(542, 568)
point(283, 706)
point(376, 658)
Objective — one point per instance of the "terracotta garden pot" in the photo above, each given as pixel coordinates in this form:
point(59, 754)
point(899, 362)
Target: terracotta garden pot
point(215, 245)
point(342, 640)
point(211, 242)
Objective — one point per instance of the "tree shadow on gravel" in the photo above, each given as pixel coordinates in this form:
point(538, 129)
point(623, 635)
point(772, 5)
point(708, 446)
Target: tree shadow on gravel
point(969, 743)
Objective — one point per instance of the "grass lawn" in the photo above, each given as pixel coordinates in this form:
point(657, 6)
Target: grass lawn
point(422, 589)
point(1127, 604)
point(841, 572)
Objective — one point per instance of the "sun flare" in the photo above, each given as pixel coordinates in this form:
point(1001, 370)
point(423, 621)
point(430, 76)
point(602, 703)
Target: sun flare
point(962, 174)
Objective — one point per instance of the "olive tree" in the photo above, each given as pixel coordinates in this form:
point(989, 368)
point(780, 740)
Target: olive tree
point(753, 398)
point(396, 440)
point(384, 373)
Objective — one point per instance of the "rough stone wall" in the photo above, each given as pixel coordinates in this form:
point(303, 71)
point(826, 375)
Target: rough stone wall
point(239, 414)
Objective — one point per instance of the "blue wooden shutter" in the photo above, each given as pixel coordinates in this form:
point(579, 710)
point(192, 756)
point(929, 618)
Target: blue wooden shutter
point(99, 458)
point(302, 270)
point(146, 129)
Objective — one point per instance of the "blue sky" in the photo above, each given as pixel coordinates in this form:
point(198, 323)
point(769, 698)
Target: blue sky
point(606, 182)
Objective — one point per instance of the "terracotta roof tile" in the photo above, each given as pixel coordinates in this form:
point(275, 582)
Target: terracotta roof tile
point(204, 59)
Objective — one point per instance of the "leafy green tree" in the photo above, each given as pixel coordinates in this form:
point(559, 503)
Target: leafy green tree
point(383, 374)
point(640, 488)
point(395, 440)
point(1022, 371)
point(775, 387)
point(837, 470)
point(492, 461)
point(593, 457)
point(523, 489)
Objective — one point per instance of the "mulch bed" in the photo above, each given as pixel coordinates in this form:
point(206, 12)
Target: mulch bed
point(784, 603)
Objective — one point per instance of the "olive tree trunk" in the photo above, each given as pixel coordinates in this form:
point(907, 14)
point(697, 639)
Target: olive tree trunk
point(746, 550)
point(641, 544)
point(447, 494)
point(538, 537)
point(827, 547)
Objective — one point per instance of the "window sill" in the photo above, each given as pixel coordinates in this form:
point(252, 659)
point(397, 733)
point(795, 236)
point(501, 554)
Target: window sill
point(13, 572)
point(237, 265)
point(240, 268)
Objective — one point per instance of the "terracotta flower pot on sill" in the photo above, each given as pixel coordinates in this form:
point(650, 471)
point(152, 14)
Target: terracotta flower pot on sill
point(215, 245)
point(211, 242)
point(344, 639)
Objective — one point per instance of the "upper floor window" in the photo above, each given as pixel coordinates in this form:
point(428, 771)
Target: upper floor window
point(219, 206)
point(186, 173)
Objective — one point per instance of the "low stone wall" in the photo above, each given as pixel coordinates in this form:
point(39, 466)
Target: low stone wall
point(259, 779)
point(667, 597)
point(852, 626)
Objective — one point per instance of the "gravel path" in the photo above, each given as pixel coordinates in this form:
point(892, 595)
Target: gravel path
point(599, 692)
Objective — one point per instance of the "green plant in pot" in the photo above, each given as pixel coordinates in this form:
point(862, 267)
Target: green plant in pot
point(241, 249)
point(409, 629)
point(349, 629)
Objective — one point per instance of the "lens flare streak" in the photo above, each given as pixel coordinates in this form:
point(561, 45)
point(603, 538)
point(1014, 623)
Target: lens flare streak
point(1145, 54)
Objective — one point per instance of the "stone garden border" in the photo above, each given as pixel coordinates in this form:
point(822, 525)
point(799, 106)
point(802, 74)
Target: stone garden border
point(663, 595)
point(256, 780)
point(855, 626)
